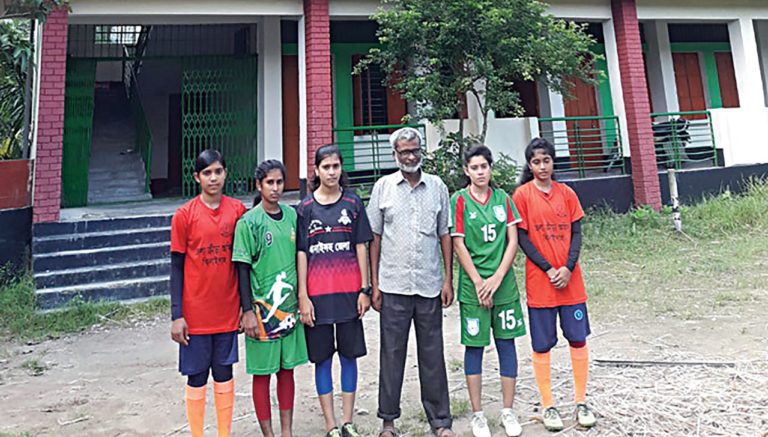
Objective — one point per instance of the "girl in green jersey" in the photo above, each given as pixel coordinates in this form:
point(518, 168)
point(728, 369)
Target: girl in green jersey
point(484, 235)
point(264, 250)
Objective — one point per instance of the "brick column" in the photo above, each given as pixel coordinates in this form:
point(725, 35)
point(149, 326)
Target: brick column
point(645, 179)
point(317, 34)
point(50, 122)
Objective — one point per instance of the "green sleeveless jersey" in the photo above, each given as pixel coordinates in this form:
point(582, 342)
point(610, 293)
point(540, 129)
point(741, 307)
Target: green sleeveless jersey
point(269, 246)
point(484, 228)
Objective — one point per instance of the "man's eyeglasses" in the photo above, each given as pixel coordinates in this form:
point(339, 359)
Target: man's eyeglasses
point(405, 153)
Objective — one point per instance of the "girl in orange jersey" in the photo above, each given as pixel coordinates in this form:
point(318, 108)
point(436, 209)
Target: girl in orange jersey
point(550, 236)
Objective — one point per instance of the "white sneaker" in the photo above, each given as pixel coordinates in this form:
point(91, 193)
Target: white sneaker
point(480, 425)
point(511, 425)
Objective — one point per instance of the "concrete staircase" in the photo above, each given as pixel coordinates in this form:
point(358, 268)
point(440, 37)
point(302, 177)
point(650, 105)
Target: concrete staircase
point(106, 259)
point(116, 171)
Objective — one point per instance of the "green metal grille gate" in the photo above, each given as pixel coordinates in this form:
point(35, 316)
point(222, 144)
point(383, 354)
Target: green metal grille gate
point(219, 111)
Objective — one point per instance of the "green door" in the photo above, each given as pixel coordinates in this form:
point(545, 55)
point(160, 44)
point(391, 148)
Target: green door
point(78, 126)
point(218, 110)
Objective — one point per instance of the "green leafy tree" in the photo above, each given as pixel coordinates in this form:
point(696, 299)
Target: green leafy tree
point(434, 51)
point(16, 58)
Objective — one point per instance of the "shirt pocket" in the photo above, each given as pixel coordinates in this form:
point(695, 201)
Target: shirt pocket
point(388, 211)
point(428, 220)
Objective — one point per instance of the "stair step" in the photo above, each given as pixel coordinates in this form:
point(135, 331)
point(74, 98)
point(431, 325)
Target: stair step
point(96, 240)
point(104, 291)
point(101, 225)
point(119, 197)
point(72, 259)
point(109, 273)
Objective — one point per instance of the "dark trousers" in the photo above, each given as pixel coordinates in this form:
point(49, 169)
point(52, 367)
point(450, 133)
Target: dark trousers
point(397, 312)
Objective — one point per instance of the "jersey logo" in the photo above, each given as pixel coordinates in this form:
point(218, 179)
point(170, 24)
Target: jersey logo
point(472, 215)
point(473, 327)
point(500, 213)
point(276, 294)
point(344, 219)
point(315, 226)
point(268, 238)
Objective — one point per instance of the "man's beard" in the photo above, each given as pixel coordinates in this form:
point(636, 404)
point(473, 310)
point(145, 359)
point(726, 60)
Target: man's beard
point(408, 168)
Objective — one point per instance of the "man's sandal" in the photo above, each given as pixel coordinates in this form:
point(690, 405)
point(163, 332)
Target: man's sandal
point(388, 431)
point(444, 432)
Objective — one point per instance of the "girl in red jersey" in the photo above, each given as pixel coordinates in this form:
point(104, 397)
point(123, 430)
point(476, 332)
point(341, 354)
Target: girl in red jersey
point(550, 236)
point(205, 304)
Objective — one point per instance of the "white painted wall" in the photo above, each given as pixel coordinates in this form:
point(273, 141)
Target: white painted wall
point(740, 132)
point(701, 10)
point(158, 80)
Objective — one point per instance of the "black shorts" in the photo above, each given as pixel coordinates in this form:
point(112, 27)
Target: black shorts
point(323, 340)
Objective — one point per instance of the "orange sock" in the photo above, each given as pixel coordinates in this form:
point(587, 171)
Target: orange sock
point(195, 399)
point(541, 370)
point(224, 396)
point(580, 364)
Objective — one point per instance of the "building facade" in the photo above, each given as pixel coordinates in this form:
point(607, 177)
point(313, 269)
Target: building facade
point(129, 92)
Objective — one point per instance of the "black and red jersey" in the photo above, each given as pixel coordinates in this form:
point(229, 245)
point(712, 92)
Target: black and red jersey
point(328, 234)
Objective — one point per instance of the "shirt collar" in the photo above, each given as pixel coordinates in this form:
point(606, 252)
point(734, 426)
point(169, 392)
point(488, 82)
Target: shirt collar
point(399, 178)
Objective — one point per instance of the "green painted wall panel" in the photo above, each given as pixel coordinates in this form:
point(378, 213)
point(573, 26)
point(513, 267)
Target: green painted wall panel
point(78, 130)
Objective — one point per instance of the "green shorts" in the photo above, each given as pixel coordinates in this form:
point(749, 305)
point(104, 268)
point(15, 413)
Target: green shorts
point(268, 357)
point(476, 323)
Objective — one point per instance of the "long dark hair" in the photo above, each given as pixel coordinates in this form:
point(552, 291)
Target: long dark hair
point(261, 172)
point(320, 155)
point(473, 150)
point(208, 157)
point(537, 144)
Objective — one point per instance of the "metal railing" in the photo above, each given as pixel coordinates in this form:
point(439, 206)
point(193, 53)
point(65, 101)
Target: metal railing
point(367, 153)
point(585, 146)
point(143, 132)
point(684, 139)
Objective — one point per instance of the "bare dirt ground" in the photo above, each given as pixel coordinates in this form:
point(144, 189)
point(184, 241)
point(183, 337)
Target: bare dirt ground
point(121, 379)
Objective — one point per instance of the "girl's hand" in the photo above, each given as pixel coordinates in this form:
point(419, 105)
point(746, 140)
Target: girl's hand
point(180, 331)
point(250, 324)
point(306, 311)
point(363, 304)
point(561, 277)
point(489, 288)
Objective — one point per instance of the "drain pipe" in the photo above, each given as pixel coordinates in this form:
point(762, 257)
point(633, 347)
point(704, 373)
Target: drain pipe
point(673, 195)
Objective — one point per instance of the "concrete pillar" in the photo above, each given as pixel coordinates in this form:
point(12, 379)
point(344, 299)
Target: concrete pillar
point(614, 79)
point(761, 34)
point(551, 105)
point(270, 90)
point(661, 69)
point(746, 63)
point(302, 55)
point(645, 179)
point(46, 201)
point(317, 61)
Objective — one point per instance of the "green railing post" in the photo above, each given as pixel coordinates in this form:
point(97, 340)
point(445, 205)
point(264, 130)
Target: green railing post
point(579, 149)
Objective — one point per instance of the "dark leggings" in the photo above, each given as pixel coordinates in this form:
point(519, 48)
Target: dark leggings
point(220, 374)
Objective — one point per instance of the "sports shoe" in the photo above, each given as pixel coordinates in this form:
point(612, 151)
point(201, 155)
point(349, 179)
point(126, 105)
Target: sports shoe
point(511, 425)
point(584, 416)
point(552, 420)
point(334, 433)
point(480, 425)
point(349, 430)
